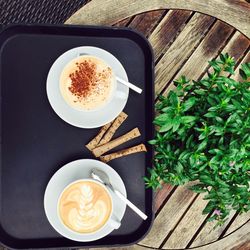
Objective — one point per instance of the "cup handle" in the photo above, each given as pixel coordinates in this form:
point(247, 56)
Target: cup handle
point(114, 223)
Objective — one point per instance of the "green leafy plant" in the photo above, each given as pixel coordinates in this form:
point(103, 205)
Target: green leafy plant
point(203, 135)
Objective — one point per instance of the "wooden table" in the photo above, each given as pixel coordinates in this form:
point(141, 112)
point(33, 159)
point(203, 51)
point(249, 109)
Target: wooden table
point(183, 42)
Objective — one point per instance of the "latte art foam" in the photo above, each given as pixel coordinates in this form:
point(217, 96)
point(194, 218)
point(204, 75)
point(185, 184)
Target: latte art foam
point(85, 207)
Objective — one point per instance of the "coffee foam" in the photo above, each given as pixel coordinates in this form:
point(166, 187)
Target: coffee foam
point(102, 86)
point(85, 207)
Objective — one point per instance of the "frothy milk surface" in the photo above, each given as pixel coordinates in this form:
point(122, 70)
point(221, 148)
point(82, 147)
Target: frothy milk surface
point(87, 83)
point(85, 206)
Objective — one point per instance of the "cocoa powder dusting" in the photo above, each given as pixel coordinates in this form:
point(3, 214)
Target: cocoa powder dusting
point(83, 79)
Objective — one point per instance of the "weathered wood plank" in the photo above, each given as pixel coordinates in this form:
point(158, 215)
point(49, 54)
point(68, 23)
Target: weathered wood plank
point(167, 30)
point(236, 12)
point(240, 240)
point(237, 46)
point(124, 22)
point(238, 222)
point(209, 48)
point(146, 22)
point(237, 76)
point(169, 216)
point(197, 64)
point(209, 234)
point(188, 226)
point(180, 50)
point(161, 195)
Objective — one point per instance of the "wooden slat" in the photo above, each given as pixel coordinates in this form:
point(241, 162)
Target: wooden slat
point(236, 47)
point(167, 30)
point(240, 240)
point(169, 216)
point(146, 22)
point(161, 195)
point(209, 233)
point(181, 49)
point(185, 230)
point(246, 59)
point(234, 12)
point(209, 48)
point(124, 22)
point(238, 222)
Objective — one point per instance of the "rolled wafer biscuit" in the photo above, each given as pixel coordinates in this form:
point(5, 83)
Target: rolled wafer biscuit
point(94, 142)
point(112, 129)
point(116, 142)
point(124, 152)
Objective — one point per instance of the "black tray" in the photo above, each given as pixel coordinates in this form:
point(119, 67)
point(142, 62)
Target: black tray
point(35, 142)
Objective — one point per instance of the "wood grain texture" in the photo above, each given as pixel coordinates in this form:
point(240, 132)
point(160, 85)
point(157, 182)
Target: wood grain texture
point(208, 49)
point(210, 233)
point(188, 226)
point(239, 241)
point(240, 220)
point(169, 216)
point(167, 30)
point(146, 22)
point(233, 12)
point(181, 49)
point(237, 76)
point(161, 195)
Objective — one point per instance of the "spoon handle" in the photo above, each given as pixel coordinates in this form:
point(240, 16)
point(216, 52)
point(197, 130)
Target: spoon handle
point(129, 84)
point(131, 205)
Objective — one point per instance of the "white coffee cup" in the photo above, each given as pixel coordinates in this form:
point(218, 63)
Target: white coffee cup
point(112, 221)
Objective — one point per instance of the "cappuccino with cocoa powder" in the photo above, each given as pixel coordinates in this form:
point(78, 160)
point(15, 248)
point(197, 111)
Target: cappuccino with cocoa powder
point(85, 206)
point(87, 83)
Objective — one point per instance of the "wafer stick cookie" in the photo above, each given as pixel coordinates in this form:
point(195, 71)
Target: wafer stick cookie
point(94, 142)
point(116, 142)
point(111, 131)
point(124, 152)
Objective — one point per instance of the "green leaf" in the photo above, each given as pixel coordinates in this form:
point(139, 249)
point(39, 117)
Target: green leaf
point(179, 168)
point(243, 74)
point(199, 92)
point(222, 57)
point(188, 104)
point(168, 110)
point(152, 142)
point(210, 115)
point(176, 123)
point(167, 126)
point(188, 119)
point(245, 70)
point(202, 145)
point(162, 118)
point(209, 207)
point(174, 99)
point(202, 136)
point(215, 65)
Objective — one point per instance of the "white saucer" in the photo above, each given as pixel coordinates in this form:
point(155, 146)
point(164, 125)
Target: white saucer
point(86, 119)
point(69, 173)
